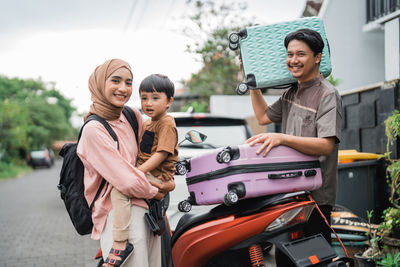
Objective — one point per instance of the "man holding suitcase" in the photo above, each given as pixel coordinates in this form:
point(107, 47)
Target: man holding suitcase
point(310, 113)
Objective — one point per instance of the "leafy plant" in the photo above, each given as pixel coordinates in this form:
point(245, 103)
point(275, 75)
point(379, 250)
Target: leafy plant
point(392, 130)
point(391, 215)
point(334, 81)
point(390, 261)
point(373, 250)
point(391, 220)
point(197, 106)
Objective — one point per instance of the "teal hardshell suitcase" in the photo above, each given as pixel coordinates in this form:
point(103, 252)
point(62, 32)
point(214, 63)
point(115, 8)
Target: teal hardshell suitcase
point(263, 53)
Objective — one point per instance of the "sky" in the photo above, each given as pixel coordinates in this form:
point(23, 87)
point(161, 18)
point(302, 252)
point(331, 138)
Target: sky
point(62, 42)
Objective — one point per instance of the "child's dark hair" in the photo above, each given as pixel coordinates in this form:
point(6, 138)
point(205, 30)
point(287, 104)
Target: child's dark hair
point(310, 37)
point(158, 83)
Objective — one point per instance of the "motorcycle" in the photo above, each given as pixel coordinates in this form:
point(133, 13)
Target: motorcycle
point(243, 233)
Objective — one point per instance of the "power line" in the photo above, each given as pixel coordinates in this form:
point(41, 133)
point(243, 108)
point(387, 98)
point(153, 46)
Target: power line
point(131, 12)
point(141, 15)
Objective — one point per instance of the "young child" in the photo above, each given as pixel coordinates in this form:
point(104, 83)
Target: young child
point(158, 149)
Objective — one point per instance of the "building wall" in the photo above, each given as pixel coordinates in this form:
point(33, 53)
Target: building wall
point(364, 113)
point(392, 47)
point(357, 57)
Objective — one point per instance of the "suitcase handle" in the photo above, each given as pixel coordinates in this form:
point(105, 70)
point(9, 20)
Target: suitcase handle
point(285, 175)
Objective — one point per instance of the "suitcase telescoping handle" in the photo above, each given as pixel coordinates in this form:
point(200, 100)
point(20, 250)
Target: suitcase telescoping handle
point(286, 175)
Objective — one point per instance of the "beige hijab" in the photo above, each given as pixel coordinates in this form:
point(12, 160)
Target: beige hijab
point(101, 106)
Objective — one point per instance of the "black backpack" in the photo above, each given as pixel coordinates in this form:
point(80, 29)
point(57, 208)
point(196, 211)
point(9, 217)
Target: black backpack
point(71, 184)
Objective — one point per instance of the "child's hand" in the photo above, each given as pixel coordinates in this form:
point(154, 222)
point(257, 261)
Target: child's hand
point(165, 186)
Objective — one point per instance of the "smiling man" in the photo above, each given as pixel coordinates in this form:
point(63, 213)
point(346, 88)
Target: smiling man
point(310, 113)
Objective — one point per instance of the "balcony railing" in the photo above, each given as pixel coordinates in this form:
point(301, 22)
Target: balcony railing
point(379, 8)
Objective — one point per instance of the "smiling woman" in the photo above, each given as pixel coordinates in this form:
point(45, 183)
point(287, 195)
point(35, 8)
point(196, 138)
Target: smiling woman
point(118, 88)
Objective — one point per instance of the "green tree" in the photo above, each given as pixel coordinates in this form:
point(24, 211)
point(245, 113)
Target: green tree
point(18, 89)
point(47, 123)
point(14, 138)
point(32, 114)
point(211, 24)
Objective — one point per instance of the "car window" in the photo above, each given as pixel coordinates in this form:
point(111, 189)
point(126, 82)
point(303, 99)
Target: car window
point(217, 136)
point(38, 154)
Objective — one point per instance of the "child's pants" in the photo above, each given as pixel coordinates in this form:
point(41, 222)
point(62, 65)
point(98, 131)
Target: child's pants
point(122, 207)
point(122, 215)
point(147, 246)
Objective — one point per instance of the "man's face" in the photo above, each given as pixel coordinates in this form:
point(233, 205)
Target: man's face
point(301, 62)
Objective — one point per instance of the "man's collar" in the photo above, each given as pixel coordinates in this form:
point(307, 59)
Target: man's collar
point(311, 82)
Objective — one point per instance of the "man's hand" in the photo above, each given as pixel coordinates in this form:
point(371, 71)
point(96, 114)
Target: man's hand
point(268, 141)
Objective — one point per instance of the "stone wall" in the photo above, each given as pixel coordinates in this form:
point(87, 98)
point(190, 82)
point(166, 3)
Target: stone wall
point(364, 113)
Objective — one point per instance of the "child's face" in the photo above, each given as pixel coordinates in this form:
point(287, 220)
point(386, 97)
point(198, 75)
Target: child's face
point(155, 104)
point(118, 87)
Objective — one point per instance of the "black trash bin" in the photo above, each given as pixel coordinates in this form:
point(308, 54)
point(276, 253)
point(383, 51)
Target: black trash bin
point(362, 187)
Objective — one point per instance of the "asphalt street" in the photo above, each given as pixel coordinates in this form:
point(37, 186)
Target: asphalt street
point(35, 226)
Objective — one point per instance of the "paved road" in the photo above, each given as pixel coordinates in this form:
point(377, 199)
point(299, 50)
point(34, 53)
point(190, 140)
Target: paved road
point(35, 227)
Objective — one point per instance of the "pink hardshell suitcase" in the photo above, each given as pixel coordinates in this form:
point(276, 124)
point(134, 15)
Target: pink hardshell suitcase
point(228, 174)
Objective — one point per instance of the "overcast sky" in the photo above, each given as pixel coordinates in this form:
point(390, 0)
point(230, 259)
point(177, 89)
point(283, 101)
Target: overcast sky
point(63, 41)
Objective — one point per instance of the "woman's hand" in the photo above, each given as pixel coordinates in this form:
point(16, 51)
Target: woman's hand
point(268, 141)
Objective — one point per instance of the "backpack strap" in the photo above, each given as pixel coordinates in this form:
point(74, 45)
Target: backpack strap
point(103, 182)
point(105, 124)
point(131, 117)
point(113, 135)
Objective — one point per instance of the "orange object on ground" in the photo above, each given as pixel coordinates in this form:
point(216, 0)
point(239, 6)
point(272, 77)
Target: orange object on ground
point(351, 155)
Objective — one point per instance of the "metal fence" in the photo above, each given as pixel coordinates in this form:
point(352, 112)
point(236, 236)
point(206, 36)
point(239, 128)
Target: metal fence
point(380, 8)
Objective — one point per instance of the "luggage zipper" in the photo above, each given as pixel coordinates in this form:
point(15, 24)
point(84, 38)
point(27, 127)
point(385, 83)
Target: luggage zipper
point(249, 168)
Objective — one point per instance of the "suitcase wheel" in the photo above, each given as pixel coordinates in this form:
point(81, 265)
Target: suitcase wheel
point(230, 198)
point(234, 38)
point(233, 46)
point(184, 206)
point(180, 168)
point(242, 88)
point(224, 156)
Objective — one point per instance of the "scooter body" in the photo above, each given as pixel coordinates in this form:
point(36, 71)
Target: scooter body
point(241, 234)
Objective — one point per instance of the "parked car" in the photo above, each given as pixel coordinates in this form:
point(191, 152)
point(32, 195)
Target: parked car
point(221, 131)
point(41, 157)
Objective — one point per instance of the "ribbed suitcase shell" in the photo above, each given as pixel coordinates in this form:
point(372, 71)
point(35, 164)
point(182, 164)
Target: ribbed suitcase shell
point(208, 180)
point(263, 52)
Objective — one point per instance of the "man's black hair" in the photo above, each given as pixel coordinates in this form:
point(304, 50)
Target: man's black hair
point(159, 83)
point(312, 38)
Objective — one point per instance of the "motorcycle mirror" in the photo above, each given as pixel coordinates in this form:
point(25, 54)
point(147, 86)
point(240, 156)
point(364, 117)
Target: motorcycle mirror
point(194, 137)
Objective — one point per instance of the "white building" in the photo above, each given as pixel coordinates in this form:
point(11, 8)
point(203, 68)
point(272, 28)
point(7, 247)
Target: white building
point(364, 40)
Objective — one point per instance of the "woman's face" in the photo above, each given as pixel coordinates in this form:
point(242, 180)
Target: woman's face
point(118, 87)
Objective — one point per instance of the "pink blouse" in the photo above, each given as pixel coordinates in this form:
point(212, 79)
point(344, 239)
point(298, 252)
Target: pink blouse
point(100, 156)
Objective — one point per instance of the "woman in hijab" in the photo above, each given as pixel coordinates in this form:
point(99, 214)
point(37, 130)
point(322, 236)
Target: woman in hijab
point(111, 87)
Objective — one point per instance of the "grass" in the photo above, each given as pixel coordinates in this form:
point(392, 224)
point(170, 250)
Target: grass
point(12, 170)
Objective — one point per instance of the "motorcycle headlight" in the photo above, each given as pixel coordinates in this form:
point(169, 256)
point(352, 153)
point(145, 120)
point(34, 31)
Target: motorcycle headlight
point(291, 217)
